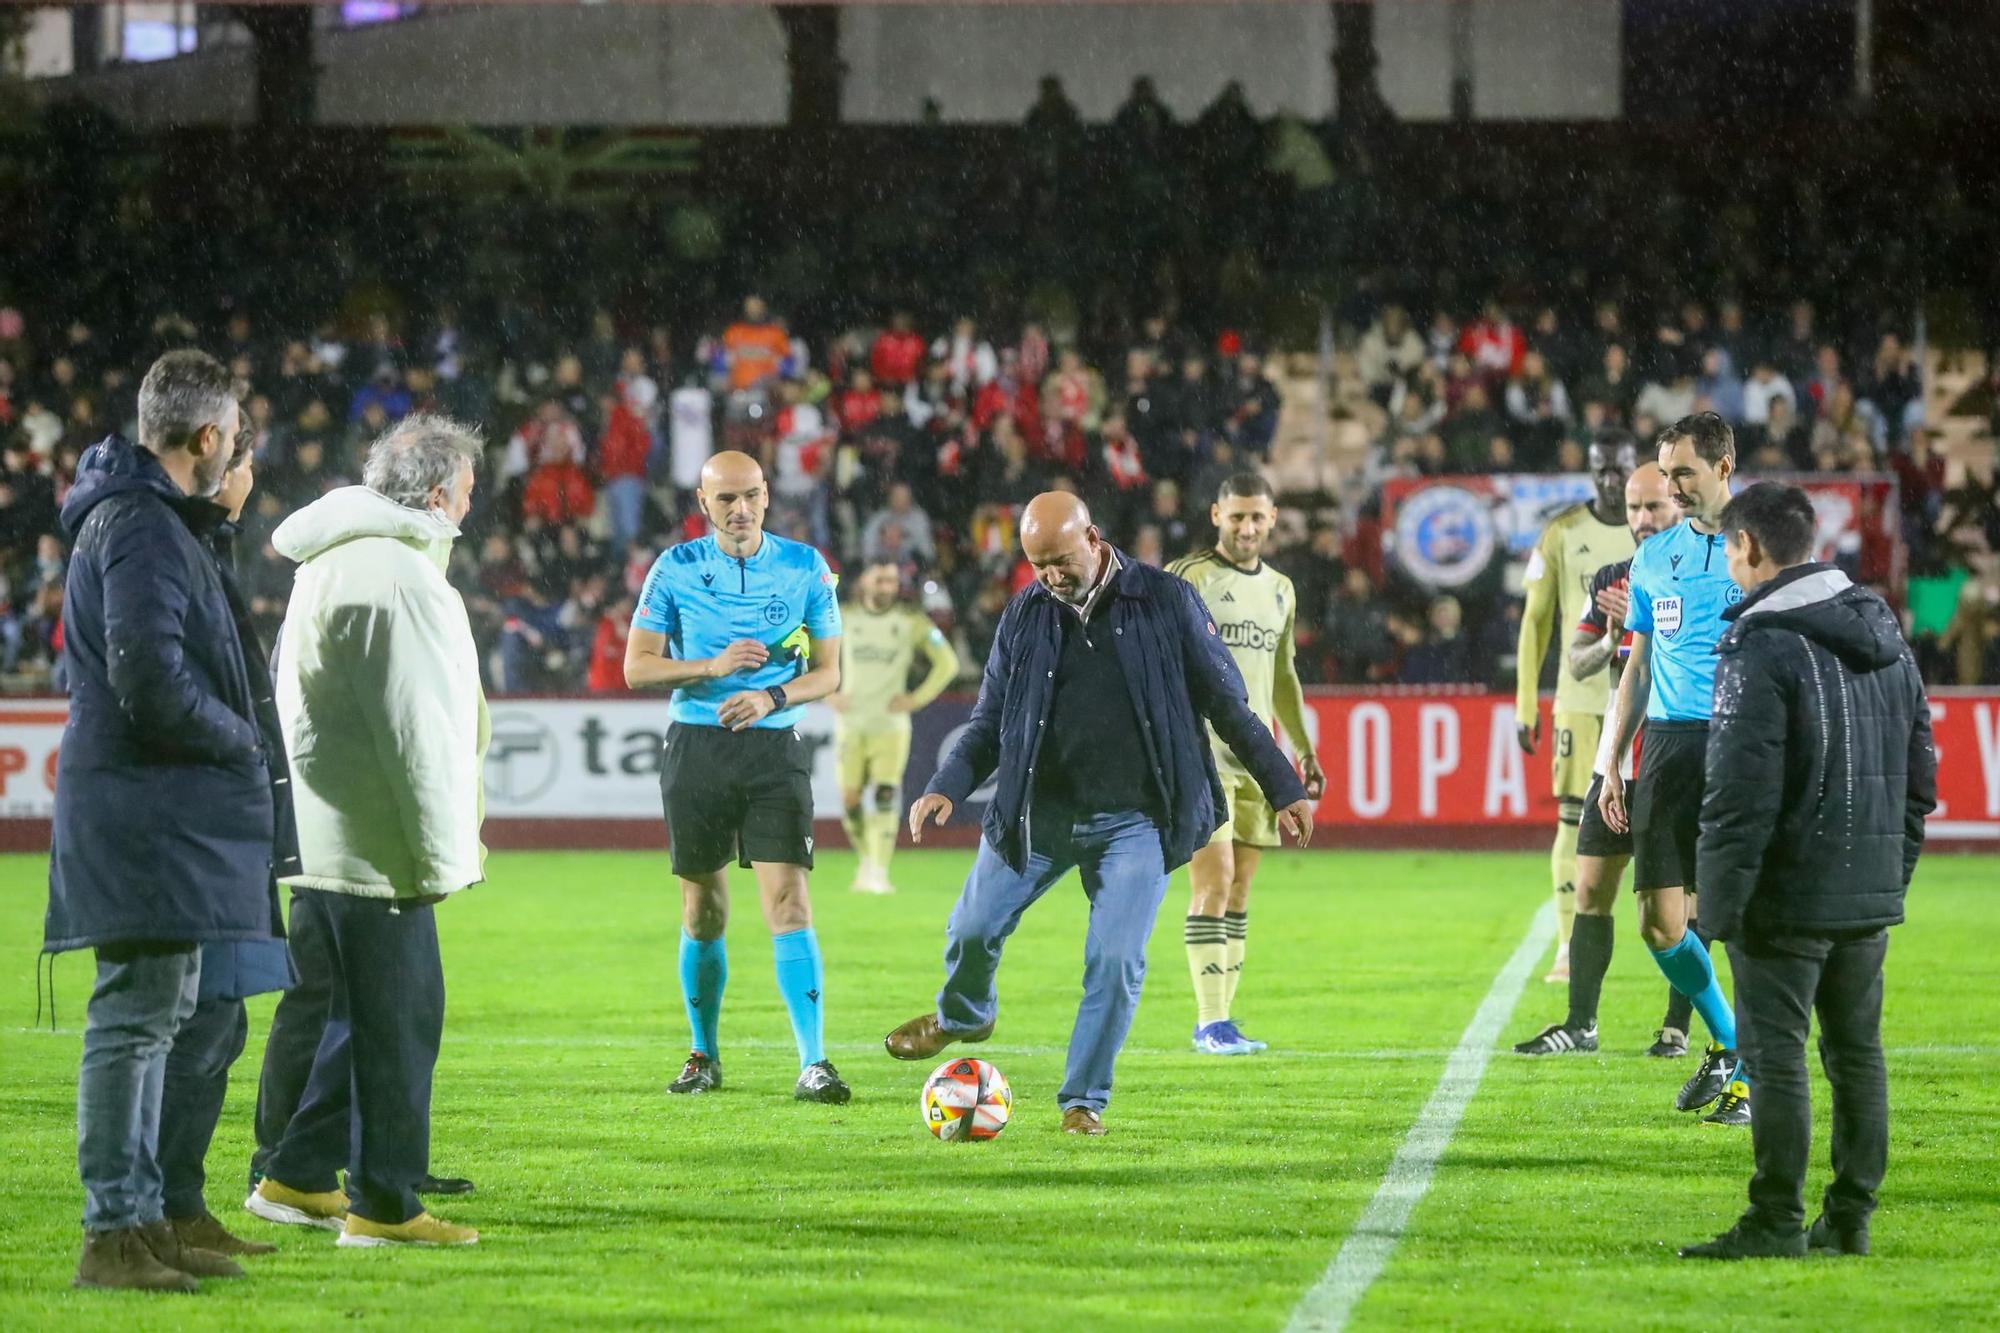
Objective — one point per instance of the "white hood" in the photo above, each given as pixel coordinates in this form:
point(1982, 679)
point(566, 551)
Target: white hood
point(355, 511)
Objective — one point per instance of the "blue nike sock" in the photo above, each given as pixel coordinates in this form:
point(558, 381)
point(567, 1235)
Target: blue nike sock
point(704, 973)
point(800, 981)
point(1688, 969)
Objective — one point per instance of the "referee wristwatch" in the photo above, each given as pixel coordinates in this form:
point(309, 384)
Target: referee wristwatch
point(777, 693)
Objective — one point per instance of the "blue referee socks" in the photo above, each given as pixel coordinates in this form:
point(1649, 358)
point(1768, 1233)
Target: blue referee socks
point(704, 972)
point(1688, 970)
point(801, 981)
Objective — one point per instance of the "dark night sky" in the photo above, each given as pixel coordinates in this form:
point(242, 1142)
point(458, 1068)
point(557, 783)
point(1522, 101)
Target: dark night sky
point(1737, 57)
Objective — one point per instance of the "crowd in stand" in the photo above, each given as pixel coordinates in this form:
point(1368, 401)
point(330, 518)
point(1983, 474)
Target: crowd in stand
point(917, 443)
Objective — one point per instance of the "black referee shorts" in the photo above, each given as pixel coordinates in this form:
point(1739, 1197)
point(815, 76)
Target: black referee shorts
point(1666, 805)
point(1593, 836)
point(736, 795)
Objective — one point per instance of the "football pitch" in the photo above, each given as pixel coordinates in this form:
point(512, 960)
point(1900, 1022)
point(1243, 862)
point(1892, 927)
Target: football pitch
point(1218, 1200)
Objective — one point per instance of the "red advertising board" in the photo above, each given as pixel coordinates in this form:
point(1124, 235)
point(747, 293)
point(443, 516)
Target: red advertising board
point(1412, 768)
point(1402, 767)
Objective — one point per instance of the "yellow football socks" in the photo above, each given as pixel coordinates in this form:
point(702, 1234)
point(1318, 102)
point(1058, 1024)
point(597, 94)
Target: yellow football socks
point(1562, 864)
point(1208, 964)
point(1235, 926)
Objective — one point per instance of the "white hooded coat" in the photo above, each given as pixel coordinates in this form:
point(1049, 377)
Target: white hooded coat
point(378, 694)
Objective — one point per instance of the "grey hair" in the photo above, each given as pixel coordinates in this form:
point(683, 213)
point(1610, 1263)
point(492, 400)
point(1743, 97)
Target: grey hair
point(184, 392)
point(417, 455)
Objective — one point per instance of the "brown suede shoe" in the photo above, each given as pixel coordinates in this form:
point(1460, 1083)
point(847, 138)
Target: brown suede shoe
point(206, 1233)
point(167, 1248)
point(921, 1038)
point(120, 1261)
point(1082, 1120)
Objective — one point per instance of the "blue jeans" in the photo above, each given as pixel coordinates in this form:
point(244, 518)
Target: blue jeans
point(1125, 878)
point(142, 995)
point(625, 498)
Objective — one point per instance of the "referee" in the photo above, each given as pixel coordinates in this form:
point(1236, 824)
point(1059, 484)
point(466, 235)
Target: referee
point(745, 628)
point(1680, 588)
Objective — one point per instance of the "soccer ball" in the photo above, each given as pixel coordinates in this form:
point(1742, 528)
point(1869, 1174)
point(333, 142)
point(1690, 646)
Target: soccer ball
point(966, 1099)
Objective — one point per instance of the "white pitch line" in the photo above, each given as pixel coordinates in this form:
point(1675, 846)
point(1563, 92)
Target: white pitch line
point(1365, 1252)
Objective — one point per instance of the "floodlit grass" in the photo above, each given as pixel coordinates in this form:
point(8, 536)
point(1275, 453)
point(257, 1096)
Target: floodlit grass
point(1222, 1191)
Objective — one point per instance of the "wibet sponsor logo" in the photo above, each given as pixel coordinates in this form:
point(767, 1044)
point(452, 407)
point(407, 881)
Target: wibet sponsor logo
point(1249, 634)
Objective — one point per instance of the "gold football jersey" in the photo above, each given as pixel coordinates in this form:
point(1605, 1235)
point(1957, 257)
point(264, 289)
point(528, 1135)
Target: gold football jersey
point(1573, 547)
point(877, 650)
point(1253, 611)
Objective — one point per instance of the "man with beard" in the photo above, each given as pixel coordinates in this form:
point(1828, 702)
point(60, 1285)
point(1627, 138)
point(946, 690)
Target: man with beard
point(1680, 590)
point(881, 641)
point(164, 816)
point(1254, 607)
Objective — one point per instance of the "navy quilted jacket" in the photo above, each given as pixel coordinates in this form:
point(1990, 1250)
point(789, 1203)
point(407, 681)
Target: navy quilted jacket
point(1179, 674)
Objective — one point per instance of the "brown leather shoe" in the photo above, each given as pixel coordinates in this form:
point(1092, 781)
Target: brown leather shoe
point(921, 1038)
point(206, 1233)
point(119, 1260)
point(166, 1246)
point(1082, 1120)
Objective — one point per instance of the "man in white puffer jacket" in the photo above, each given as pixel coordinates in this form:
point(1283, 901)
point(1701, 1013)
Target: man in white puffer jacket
point(378, 692)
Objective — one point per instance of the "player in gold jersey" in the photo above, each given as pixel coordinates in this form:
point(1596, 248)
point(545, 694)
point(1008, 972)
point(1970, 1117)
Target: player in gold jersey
point(872, 733)
point(1253, 606)
point(1577, 543)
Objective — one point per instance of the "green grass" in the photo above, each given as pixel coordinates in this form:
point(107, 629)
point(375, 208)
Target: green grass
point(1218, 1198)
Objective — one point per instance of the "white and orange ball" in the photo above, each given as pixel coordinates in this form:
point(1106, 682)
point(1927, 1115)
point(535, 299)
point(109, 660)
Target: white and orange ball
point(966, 1099)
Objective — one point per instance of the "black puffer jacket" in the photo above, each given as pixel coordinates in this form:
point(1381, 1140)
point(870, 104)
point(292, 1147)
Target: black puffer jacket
point(1820, 763)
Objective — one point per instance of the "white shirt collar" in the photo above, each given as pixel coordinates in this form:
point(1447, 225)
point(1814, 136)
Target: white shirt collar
point(1105, 574)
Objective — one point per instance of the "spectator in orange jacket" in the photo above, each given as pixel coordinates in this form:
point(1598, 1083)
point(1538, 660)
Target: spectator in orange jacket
point(756, 346)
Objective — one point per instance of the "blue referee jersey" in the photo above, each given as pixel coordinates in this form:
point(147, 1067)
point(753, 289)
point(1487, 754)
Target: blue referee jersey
point(703, 599)
point(1680, 588)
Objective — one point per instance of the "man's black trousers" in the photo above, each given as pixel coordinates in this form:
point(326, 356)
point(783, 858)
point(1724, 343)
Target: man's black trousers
point(196, 1083)
point(1781, 982)
point(367, 1103)
point(297, 1027)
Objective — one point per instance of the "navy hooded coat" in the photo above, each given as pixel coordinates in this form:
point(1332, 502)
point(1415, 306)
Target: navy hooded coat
point(164, 813)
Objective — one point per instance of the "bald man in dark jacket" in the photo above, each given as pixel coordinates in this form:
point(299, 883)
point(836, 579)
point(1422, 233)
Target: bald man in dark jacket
point(1090, 721)
point(1820, 773)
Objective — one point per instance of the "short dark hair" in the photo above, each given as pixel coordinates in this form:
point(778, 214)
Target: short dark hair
point(1780, 518)
point(185, 392)
point(1710, 435)
point(1245, 486)
point(1614, 438)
